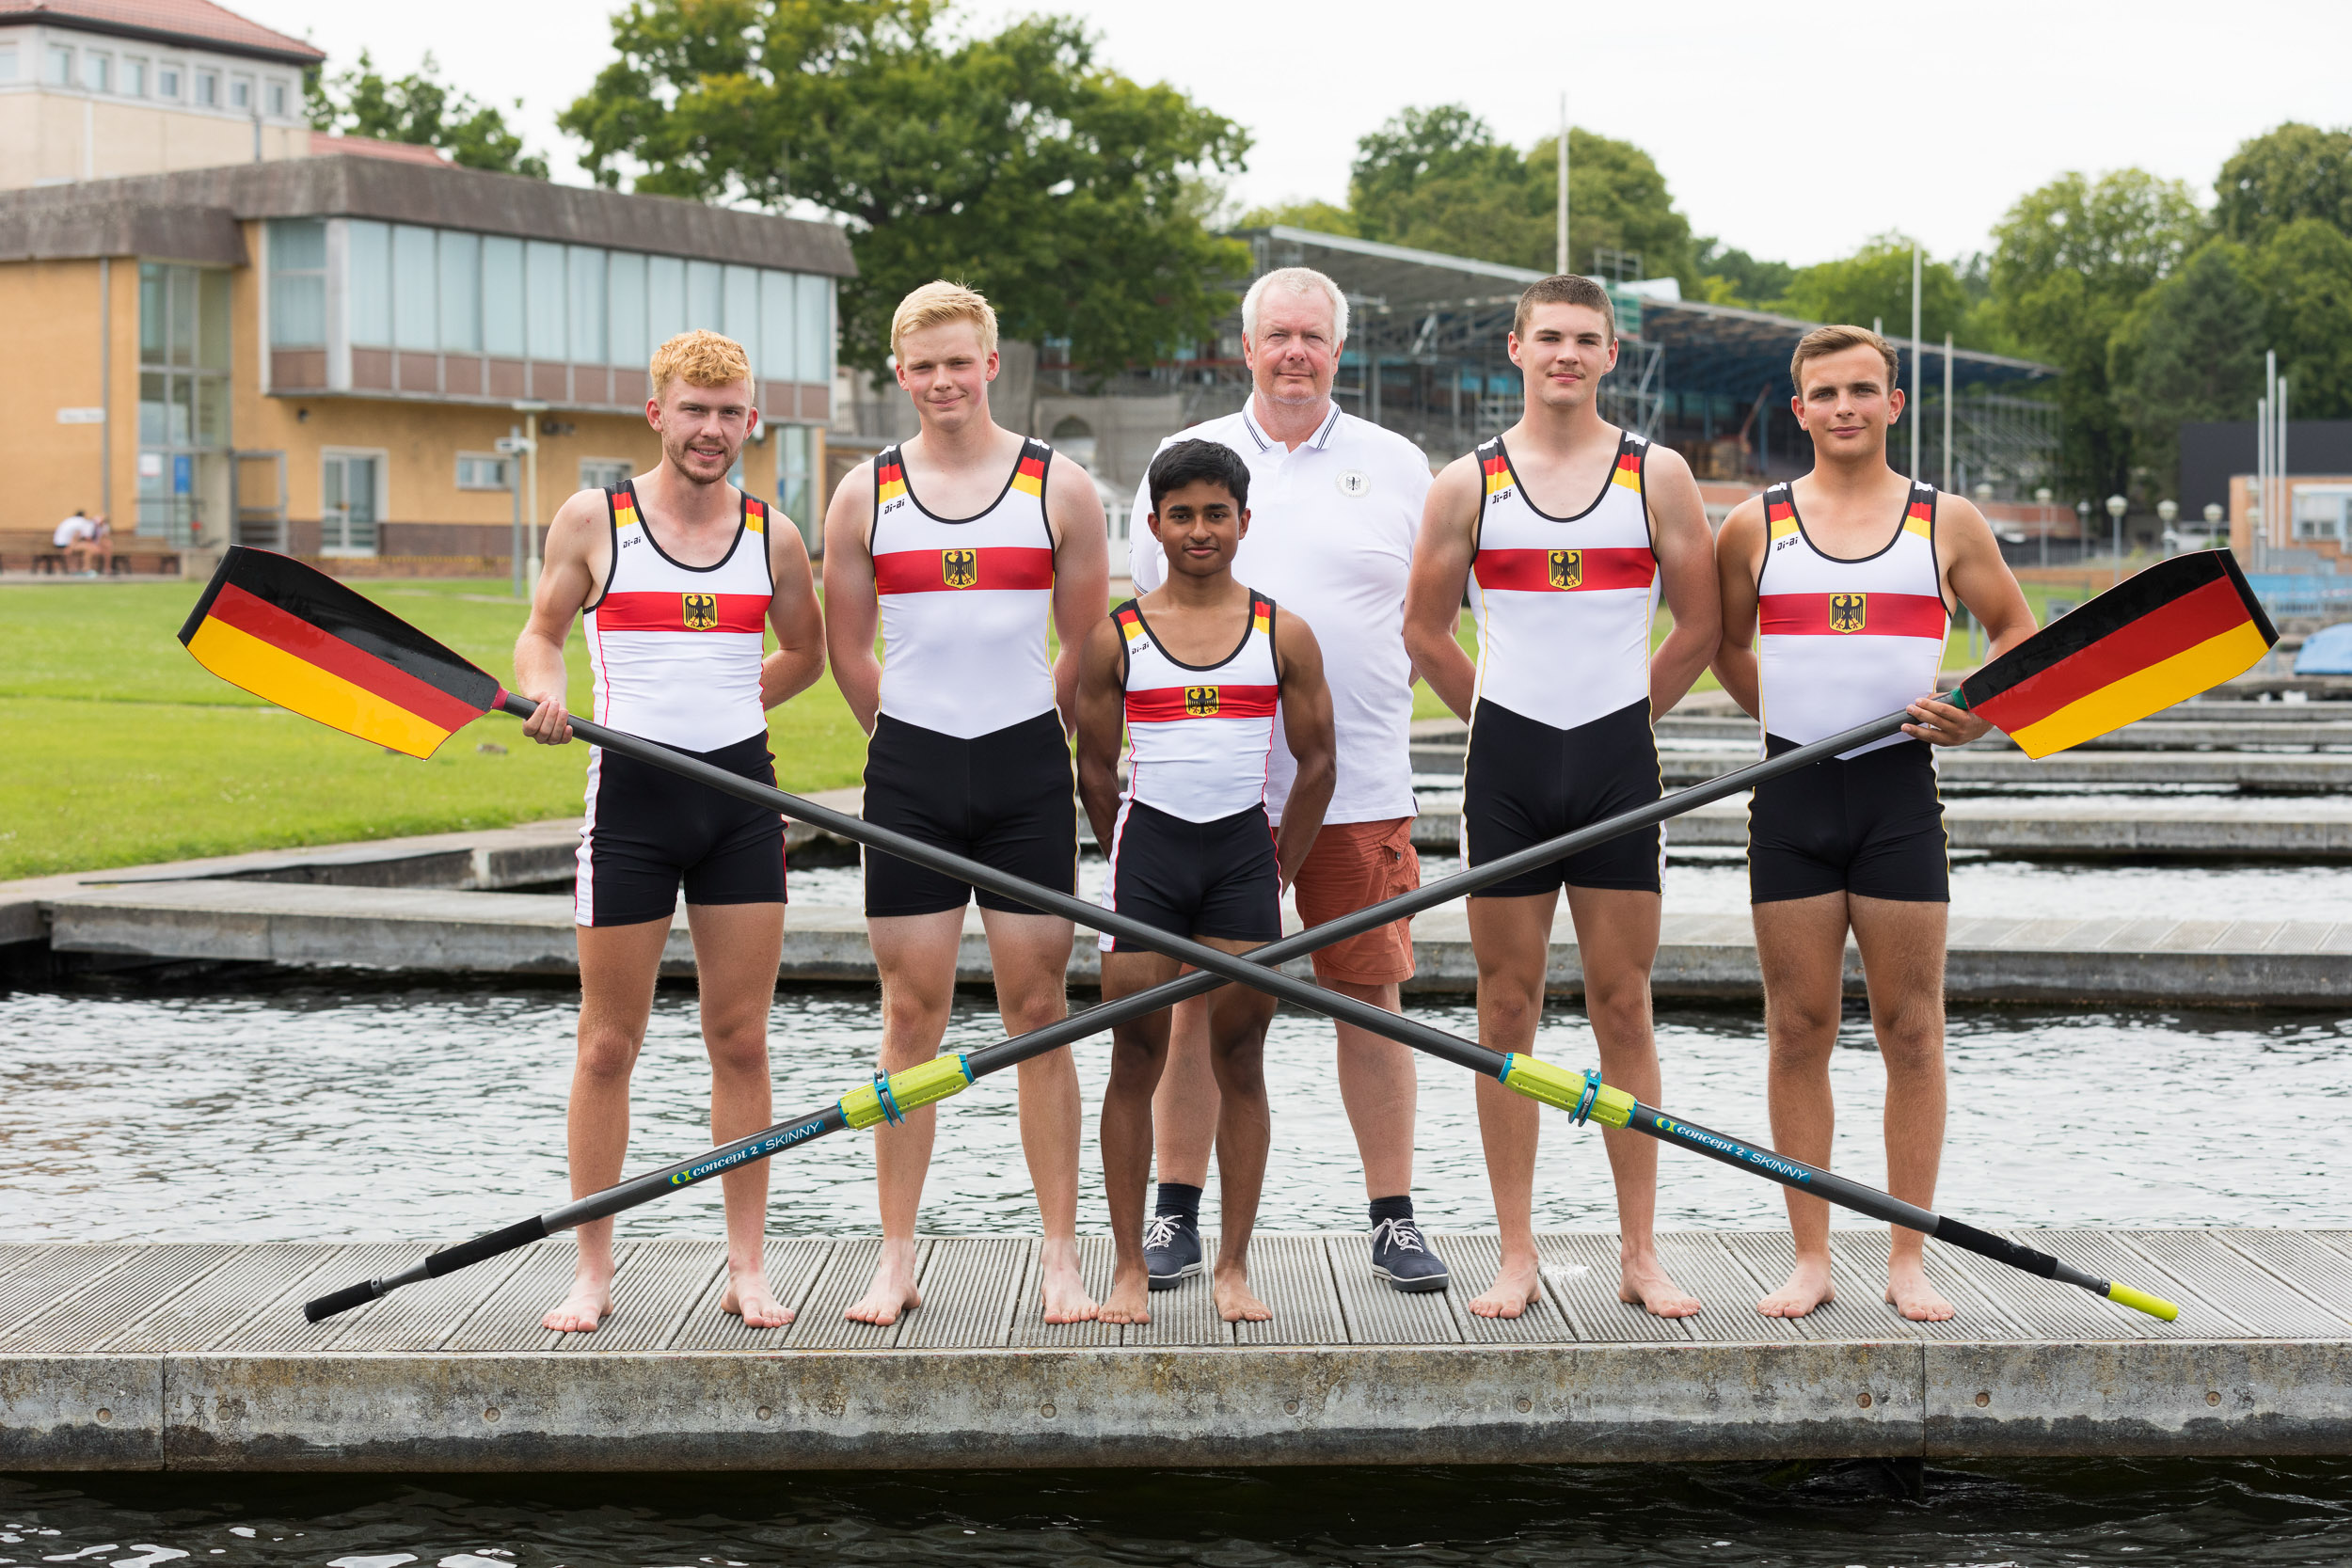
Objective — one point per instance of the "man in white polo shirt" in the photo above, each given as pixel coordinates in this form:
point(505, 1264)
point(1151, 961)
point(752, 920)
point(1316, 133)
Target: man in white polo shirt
point(1335, 503)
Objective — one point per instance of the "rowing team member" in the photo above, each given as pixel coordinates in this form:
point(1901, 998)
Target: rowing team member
point(1263, 759)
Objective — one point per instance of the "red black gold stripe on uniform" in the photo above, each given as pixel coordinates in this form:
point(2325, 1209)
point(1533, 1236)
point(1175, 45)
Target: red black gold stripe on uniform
point(1564, 571)
point(1162, 704)
point(658, 612)
point(2178, 628)
point(1015, 566)
point(1873, 614)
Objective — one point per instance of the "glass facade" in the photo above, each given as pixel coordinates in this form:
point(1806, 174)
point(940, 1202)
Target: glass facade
point(183, 402)
point(298, 283)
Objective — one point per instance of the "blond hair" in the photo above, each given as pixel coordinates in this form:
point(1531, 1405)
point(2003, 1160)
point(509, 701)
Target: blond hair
point(937, 303)
point(1824, 341)
point(1301, 282)
point(699, 358)
point(1565, 288)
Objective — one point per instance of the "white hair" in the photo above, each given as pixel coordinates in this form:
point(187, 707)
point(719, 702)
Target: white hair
point(1301, 281)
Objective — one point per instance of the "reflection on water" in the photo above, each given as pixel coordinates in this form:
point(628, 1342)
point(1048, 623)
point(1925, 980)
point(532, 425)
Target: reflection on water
point(2241, 1514)
point(351, 1110)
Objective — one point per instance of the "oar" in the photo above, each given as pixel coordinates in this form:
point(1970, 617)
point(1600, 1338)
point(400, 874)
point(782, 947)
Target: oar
point(307, 641)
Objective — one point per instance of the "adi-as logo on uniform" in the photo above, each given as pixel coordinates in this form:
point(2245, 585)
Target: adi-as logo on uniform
point(1846, 610)
point(702, 611)
point(958, 568)
point(1568, 568)
point(1201, 701)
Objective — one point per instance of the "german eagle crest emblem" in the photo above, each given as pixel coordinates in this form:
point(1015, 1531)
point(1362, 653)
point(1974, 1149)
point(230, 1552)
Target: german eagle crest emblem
point(958, 568)
point(702, 611)
point(1846, 610)
point(1201, 701)
point(1566, 568)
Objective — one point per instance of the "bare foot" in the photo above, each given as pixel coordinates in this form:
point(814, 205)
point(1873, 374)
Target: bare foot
point(580, 1312)
point(1515, 1289)
point(1642, 1282)
point(893, 1289)
point(1066, 1298)
point(749, 1298)
point(1908, 1293)
point(1130, 1297)
point(1236, 1301)
point(1807, 1287)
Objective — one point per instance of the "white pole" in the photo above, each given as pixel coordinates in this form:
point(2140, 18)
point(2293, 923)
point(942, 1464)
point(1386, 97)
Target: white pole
point(2286, 490)
point(1914, 364)
point(1563, 203)
point(2269, 457)
point(2260, 497)
point(1947, 411)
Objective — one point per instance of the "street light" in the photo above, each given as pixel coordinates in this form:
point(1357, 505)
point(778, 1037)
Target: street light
point(2082, 531)
point(2041, 499)
point(2167, 510)
point(2213, 522)
point(2117, 506)
point(510, 446)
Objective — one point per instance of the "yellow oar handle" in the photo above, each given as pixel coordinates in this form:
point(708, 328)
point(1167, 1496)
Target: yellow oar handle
point(2155, 1306)
point(888, 1099)
point(1580, 1094)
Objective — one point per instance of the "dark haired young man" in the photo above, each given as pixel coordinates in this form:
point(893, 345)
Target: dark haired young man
point(1193, 671)
point(1560, 705)
point(1851, 601)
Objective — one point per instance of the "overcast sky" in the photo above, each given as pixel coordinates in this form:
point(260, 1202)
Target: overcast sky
point(1775, 131)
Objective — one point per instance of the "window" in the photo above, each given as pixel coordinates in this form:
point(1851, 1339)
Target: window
point(7, 62)
point(543, 299)
point(502, 296)
point(666, 299)
point(815, 333)
point(167, 81)
point(602, 473)
point(416, 322)
point(368, 282)
point(461, 293)
point(58, 71)
point(278, 99)
point(184, 400)
point(626, 342)
point(98, 70)
point(705, 309)
point(585, 272)
point(794, 446)
point(741, 291)
point(134, 78)
point(208, 90)
point(2321, 514)
point(478, 472)
point(348, 499)
point(298, 283)
point(772, 355)
point(241, 93)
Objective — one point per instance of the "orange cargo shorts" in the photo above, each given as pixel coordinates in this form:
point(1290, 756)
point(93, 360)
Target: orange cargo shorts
point(1354, 865)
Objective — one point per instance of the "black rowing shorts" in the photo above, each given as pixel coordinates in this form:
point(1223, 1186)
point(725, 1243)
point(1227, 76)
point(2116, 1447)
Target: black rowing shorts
point(1217, 879)
point(1524, 783)
point(650, 831)
point(1871, 825)
point(1007, 798)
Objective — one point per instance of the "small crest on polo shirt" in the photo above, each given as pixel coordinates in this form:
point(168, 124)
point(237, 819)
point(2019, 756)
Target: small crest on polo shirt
point(702, 611)
point(1354, 483)
point(958, 568)
point(1566, 568)
point(1846, 610)
point(1201, 701)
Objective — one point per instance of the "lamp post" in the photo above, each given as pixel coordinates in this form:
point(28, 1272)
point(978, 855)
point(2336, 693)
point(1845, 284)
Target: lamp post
point(2168, 510)
point(2041, 499)
point(2117, 506)
point(511, 446)
point(2213, 521)
point(2082, 531)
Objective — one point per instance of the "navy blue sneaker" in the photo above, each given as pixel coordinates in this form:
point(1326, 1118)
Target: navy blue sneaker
point(1171, 1250)
point(1402, 1256)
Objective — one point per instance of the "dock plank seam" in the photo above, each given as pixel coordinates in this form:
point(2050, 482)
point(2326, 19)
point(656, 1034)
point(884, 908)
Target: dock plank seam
point(508, 1268)
point(8, 1330)
point(2183, 1286)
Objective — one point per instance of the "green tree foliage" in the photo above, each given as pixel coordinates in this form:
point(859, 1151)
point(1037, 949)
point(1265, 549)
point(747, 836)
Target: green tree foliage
point(1066, 193)
point(422, 110)
point(1438, 178)
point(1729, 276)
point(2070, 262)
point(1874, 284)
point(2188, 351)
point(2294, 171)
point(2305, 276)
point(1321, 216)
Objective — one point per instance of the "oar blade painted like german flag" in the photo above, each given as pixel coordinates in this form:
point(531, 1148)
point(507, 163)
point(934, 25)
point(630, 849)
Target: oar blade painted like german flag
point(2182, 627)
point(293, 636)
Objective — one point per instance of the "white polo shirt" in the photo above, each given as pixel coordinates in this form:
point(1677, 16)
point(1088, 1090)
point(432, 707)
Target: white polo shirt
point(1331, 529)
point(72, 532)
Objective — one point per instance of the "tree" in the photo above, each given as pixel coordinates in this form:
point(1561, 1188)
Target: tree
point(2305, 276)
point(2295, 171)
point(422, 110)
point(2189, 350)
point(1066, 193)
point(1874, 284)
point(1321, 216)
point(1617, 201)
point(2070, 261)
point(1728, 277)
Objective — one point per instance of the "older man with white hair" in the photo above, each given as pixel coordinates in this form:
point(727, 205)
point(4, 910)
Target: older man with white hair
point(1336, 503)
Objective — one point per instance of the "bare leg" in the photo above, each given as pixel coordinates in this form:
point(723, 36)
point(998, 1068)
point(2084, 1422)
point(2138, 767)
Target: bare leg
point(1245, 1130)
point(1138, 1050)
point(1512, 939)
point(1800, 945)
point(917, 956)
point(1185, 1108)
point(618, 965)
point(1030, 954)
point(1902, 959)
point(1378, 1088)
point(736, 949)
point(1616, 939)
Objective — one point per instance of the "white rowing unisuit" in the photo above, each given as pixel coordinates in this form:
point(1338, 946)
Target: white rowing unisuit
point(1331, 528)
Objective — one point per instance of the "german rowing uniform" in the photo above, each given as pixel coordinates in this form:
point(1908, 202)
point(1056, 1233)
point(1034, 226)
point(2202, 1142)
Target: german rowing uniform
point(675, 650)
point(967, 752)
point(1193, 850)
point(1560, 732)
point(1842, 642)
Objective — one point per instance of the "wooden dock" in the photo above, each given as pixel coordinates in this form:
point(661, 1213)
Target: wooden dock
point(196, 1356)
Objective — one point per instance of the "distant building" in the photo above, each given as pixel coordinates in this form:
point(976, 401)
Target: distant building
point(318, 348)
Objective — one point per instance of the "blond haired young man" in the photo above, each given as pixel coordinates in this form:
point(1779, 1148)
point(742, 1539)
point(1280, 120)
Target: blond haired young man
point(960, 545)
point(676, 574)
point(1836, 594)
point(1567, 528)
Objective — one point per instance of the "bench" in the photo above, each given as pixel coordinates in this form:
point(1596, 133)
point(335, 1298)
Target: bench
point(30, 550)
